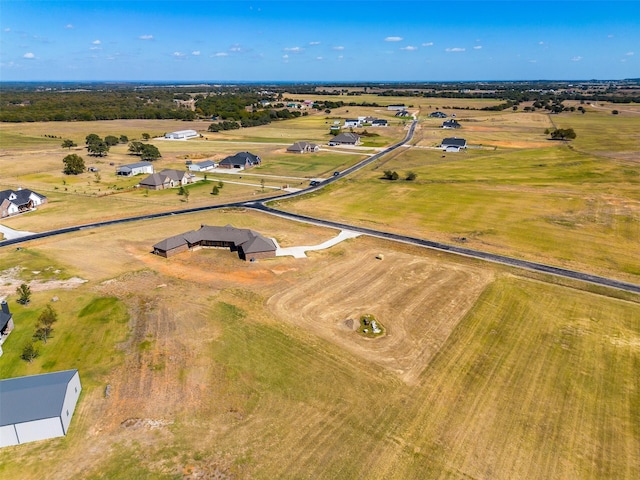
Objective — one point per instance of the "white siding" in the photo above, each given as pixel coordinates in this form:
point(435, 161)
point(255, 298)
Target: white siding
point(39, 430)
point(70, 399)
point(8, 436)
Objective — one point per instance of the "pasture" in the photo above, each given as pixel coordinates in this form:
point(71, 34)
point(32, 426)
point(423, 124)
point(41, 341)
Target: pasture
point(230, 369)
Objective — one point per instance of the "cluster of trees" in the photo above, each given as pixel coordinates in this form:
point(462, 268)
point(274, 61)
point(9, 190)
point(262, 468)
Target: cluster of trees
point(87, 105)
point(224, 125)
point(73, 164)
point(146, 151)
point(44, 329)
point(561, 133)
point(393, 175)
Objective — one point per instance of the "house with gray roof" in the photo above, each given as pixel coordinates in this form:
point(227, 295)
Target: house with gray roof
point(203, 166)
point(346, 138)
point(453, 144)
point(14, 202)
point(6, 323)
point(249, 244)
point(303, 147)
point(133, 169)
point(241, 161)
point(37, 407)
point(451, 124)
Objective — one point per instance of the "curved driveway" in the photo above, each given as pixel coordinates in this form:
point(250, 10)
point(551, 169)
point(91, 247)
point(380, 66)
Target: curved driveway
point(260, 205)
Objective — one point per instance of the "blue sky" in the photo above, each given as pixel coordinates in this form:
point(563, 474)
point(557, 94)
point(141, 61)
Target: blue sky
point(312, 40)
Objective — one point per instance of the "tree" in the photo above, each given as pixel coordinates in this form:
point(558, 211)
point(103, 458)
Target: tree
point(150, 152)
point(45, 323)
point(563, 133)
point(146, 136)
point(186, 194)
point(68, 144)
point(181, 190)
point(24, 294)
point(215, 190)
point(136, 147)
point(92, 138)
point(220, 184)
point(124, 139)
point(111, 140)
point(29, 352)
point(389, 175)
point(73, 164)
point(99, 149)
point(411, 176)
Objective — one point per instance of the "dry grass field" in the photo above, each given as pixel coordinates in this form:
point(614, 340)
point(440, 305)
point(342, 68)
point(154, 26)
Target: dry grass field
point(224, 369)
point(220, 368)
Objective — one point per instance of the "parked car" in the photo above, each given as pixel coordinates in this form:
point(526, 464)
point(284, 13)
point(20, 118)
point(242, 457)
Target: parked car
point(335, 174)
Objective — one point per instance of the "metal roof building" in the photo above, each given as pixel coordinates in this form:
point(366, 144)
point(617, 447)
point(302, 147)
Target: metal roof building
point(37, 407)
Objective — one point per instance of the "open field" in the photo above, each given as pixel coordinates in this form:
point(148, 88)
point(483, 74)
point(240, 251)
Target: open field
point(226, 369)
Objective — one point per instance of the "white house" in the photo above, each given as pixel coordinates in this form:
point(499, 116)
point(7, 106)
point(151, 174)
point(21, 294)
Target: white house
point(6, 323)
point(22, 200)
point(203, 166)
point(37, 407)
point(351, 122)
point(453, 144)
point(181, 135)
point(133, 169)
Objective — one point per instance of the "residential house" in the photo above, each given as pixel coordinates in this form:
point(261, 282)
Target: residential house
point(379, 123)
point(403, 113)
point(249, 244)
point(13, 202)
point(451, 124)
point(133, 169)
point(351, 123)
point(453, 144)
point(346, 138)
point(168, 178)
point(241, 160)
point(6, 323)
point(437, 114)
point(303, 147)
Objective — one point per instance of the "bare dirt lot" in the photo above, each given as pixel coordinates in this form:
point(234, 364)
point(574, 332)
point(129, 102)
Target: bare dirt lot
point(418, 300)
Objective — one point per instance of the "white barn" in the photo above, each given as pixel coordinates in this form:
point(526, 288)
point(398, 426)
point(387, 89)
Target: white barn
point(181, 135)
point(203, 166)
point(133, 169)
point(37, 407)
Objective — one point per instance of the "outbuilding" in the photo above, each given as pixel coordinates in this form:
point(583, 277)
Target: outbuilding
point(181, 135)
point(37, 407)
point(133, 169)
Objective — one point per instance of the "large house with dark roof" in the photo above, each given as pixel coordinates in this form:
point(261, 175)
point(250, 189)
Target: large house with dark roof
point(241, 161)
point(249, 244)
point(14, 202)
point(346, 138)
point(6, 323)
point(37, 407)
point(453, 144)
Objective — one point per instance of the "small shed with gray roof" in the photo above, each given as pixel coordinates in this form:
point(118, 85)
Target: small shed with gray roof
point(37, 407)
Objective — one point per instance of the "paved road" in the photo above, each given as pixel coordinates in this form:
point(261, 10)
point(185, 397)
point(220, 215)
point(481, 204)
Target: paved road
point(260, 205)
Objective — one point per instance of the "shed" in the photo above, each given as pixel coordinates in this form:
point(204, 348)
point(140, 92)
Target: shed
point(37, 407)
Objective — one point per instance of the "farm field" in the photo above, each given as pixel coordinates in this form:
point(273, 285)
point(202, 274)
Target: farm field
point(219, 368)
point(515, 193)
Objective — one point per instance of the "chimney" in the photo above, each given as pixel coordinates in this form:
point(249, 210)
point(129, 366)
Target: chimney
point(5, 307)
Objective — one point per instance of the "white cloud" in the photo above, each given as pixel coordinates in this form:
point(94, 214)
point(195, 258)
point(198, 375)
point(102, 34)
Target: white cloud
point(285, 56)
point(319, 58)
point(178, 54)
point(96, 42)
point(220, 54)
point(314, 43)
point(7, 29)
point(339, 47)
point(236, 48)
point(393, 39)
point(195, 53)
point(409, 48)
point(95, 48)
point(29, 55)
point(533, 61)
point(68, 26)
point(340, 57)
point(146, 37)
point(477, 47)
point(294, 49)
point(541, 43)
point(427, 44)
point(455, 49)
point(629, 54)
point(576, 59)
